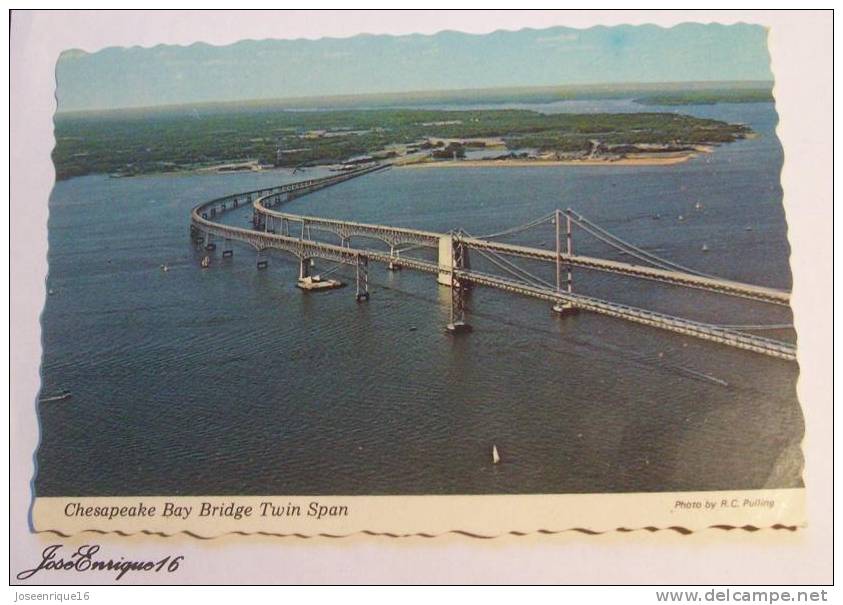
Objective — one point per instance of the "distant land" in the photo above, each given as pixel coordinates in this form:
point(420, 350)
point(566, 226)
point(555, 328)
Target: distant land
point(661, 93)
point(381, 64)
point(392, 128)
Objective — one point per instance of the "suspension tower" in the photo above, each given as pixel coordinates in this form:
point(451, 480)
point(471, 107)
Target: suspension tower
point(362, 278)
point(564, 307)
point(459, 287)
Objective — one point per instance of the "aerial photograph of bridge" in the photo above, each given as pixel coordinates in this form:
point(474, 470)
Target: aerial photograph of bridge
point(534, 261)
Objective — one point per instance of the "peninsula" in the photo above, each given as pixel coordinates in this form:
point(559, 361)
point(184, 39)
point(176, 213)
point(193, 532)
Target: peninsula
point(223, 139)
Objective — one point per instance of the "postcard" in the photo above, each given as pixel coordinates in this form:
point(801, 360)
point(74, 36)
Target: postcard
point(529, 281)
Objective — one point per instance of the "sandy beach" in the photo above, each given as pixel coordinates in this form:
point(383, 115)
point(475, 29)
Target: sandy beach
point(637, 160)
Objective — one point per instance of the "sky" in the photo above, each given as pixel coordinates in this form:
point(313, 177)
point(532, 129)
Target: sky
point(274, 69)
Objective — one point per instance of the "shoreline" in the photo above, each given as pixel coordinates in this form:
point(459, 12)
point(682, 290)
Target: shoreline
point(642, 159)
point(515, 163)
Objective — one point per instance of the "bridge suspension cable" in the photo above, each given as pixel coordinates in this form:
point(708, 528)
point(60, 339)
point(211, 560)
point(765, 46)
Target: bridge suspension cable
point(501, 262)
point(515, 270)
point(332, 270)
point(624, 246)
point(519, 228)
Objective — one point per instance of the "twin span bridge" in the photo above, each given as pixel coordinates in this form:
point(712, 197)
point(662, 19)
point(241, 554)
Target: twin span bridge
point(298, 235)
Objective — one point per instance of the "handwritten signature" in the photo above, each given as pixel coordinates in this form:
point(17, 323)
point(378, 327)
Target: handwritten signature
point(84, 559)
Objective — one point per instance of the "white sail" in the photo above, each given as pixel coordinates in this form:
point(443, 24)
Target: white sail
point(495, 457)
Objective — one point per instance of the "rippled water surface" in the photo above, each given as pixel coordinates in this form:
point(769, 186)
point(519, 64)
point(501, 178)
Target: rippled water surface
point(232, 381)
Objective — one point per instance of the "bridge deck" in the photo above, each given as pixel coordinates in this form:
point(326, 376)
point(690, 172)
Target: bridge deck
point(399, 235)
point(304, 248)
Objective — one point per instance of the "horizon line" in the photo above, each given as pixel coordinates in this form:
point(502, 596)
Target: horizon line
point(347, 97)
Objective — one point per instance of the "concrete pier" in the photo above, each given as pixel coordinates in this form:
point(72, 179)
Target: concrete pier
point(316, 283)
point(565, 309)
point(304, 268)
point(446, 260)
point(458, 327)
point(451, 258)
point(393, 264)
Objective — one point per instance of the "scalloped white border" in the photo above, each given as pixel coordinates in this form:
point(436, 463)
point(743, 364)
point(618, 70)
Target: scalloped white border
point(800, 47)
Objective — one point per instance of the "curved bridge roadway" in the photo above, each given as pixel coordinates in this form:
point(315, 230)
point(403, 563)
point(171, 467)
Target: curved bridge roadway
point(295, 238)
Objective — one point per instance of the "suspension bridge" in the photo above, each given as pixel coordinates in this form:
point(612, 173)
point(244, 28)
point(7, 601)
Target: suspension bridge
point(298, 235)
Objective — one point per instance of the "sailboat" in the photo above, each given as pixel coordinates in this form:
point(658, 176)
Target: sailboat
point(495, 456)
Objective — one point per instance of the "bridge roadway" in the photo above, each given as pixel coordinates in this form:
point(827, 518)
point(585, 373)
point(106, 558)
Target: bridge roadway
point(306, 248)
point(210, 208)
point(396, 236)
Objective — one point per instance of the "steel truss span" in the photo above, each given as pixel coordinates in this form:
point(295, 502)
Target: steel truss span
point(293, 234)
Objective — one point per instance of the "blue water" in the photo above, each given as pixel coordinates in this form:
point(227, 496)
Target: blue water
point(232, 381)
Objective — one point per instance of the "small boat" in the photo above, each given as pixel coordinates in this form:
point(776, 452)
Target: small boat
point(206, 262)
point(495, 456)
point(681, 218)
point(705, 248)
point(748, 229)
point(697, 206)
point(165, 268)
point(60, 396)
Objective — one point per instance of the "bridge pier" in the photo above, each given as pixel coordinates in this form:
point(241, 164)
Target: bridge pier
point(564, 309)
point(227, 250)
point(262, 262)
point(459, 292)
point(453, 255)
point(393, 264)
point(196, 235)
point(362, 278)
point(459, 287)
point(305, 263)
point(210, 246)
